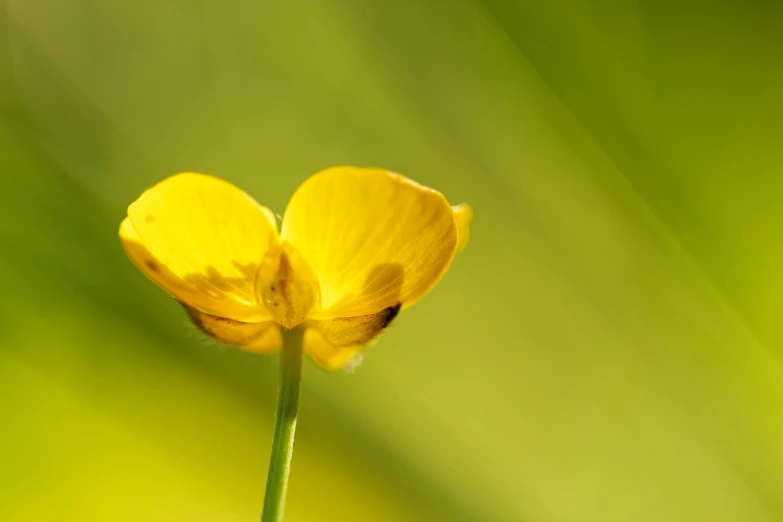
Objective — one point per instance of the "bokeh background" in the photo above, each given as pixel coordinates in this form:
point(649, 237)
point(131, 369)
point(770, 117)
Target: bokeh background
point(608, 348)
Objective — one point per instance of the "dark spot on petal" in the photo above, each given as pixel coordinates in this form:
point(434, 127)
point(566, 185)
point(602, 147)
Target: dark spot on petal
point(391, 312)
point(152, 265)
point(149, 218)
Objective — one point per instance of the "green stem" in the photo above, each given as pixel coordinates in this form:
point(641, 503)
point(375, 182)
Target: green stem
point(285, 426)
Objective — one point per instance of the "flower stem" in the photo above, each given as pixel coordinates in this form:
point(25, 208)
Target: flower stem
point(285, 426)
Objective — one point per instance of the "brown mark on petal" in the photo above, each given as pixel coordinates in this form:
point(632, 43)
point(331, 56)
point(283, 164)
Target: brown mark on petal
point(284, 273)
point(391, 312)
point(152, 265)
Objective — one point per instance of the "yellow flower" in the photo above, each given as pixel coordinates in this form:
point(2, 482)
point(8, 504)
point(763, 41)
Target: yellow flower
point(356, 246)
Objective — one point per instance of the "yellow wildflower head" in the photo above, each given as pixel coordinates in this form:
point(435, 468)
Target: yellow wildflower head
point(356, 247)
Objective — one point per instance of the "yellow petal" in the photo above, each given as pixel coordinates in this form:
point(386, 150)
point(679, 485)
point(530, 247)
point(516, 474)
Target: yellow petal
point(286, 285)
point(201, 239)
point(373, 238)
point(463, 214)
point(337, 343)
point(263, 337)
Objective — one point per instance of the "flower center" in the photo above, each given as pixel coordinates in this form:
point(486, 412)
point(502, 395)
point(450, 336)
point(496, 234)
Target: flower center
point(287, 286)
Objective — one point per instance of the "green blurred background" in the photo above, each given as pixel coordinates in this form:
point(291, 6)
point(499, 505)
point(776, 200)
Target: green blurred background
point(608, 347)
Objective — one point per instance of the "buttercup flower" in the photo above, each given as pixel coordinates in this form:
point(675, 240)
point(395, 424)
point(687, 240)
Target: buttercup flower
point(356, 247)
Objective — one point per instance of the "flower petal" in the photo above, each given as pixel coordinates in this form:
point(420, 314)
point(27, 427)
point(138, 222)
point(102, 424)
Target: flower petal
point(263, 337)
point(201, 239)
point(337, 343)
point(463, 214)
point(286, 286)
point(373, 238)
